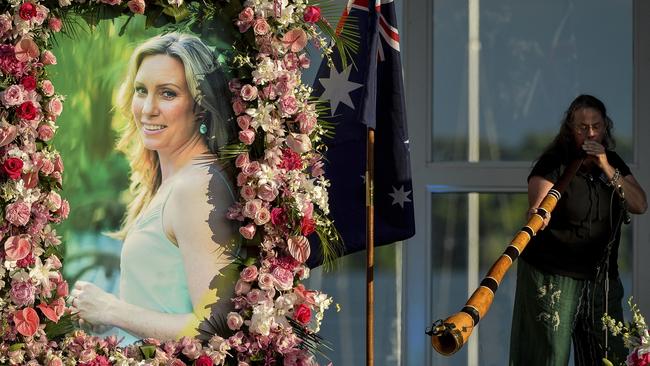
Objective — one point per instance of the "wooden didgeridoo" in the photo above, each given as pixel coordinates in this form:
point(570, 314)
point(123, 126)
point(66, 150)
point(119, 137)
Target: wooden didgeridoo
point(448, 336)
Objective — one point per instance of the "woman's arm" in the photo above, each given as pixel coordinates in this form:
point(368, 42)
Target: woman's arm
point(538, 188)
point(197, 226)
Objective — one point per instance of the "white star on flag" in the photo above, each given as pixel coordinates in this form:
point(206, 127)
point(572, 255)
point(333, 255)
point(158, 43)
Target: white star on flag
point(399, 196)
point(338, 87)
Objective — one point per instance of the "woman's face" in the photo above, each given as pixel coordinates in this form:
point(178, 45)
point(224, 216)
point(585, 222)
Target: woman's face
point(162, 105)
point(587, 124)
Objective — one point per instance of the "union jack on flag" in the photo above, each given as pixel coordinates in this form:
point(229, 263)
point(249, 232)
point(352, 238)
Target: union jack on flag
point(368, 92)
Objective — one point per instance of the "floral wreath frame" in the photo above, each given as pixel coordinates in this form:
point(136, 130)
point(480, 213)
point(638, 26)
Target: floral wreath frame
point(278, 158)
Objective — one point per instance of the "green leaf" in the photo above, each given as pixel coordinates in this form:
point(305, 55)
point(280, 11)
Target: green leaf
point(16, 346)
point(148, 351)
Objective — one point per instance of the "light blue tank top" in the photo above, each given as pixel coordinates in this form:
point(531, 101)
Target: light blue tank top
point(152, 271)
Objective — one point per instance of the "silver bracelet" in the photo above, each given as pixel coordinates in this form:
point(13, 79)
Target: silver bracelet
point(614, 181)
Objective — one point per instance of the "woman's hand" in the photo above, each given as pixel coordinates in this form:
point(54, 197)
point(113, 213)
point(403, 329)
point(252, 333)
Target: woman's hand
point(92, 305)
point(596, 153)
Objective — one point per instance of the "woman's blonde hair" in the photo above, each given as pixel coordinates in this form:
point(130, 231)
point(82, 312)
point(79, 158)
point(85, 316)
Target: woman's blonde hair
point(208, 86)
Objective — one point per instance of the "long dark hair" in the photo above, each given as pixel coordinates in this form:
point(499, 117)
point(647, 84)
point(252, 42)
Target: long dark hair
point(563, 145)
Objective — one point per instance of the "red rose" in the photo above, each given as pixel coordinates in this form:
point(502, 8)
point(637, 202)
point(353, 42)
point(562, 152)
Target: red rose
point(312, 14)
point(302, 314)
point(27, 11)
point(29, 82)
point(27, 111)
point(13, 167)
point(307, 226)
point(203, 361)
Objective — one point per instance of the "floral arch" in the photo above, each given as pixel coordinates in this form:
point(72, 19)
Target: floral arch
point(283, 193)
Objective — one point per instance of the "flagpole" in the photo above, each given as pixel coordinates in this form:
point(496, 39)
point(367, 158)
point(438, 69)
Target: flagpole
point(370, 252)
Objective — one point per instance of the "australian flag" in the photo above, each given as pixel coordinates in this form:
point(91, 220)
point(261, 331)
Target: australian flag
point(368, 92)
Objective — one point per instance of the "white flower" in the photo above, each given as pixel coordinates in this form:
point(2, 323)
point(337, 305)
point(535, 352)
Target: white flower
point(175, 2)
point(262, 319)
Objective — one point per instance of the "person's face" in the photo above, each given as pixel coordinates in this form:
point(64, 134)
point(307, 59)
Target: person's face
point(162, 105)
point(587, 124)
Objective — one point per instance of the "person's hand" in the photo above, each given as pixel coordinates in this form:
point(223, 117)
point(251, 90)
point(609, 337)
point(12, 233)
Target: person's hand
point(595, 152)
point(92, 305)
point(547, 217)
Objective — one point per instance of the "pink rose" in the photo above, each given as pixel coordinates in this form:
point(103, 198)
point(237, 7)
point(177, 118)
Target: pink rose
point(48, 58)
point(242, 178)
point(45, 132)
point(242, 287)
point(136, 6)
point(312, 14)
point(55, 24)
point(53, 201)
point(244, 121)
point(247, 192)
point(234, 320)
point(299, 143)
point(13, 95)
point(47, 87)
point(41, 14)
point(267, 193)
point(265, 281)
point(47, 167)
point(251, 168)
point(7, 134)
point(26, 321)
point(55, 106)
point(248, 231)
point(249, 274)
point(242, 160)
point(262, 216)
point(251, 207)
point(239, 106)
point(248, 92)
point(261, 27)
point(254, 296)
point(26, 49)
point(298, 247)
point(283, 279)
point(247, 136)
point(18, 213)
point(22, 293)
point(247, 14)
point(289, 105)
point(295, 40)
point(302, 314)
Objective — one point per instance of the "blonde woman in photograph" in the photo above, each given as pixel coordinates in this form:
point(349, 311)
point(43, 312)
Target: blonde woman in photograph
point(178, 251)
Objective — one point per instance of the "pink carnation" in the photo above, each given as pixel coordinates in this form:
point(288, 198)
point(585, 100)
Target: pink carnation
point(18, 213)
point(23, 293)
point(283, 279)
point(289, 105)
point(48, 58)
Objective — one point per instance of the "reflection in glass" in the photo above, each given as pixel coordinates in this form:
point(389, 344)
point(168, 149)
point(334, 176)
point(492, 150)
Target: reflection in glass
point(534, 58)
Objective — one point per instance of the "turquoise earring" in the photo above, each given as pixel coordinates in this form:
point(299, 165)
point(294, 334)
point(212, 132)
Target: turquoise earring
point(203, 129)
